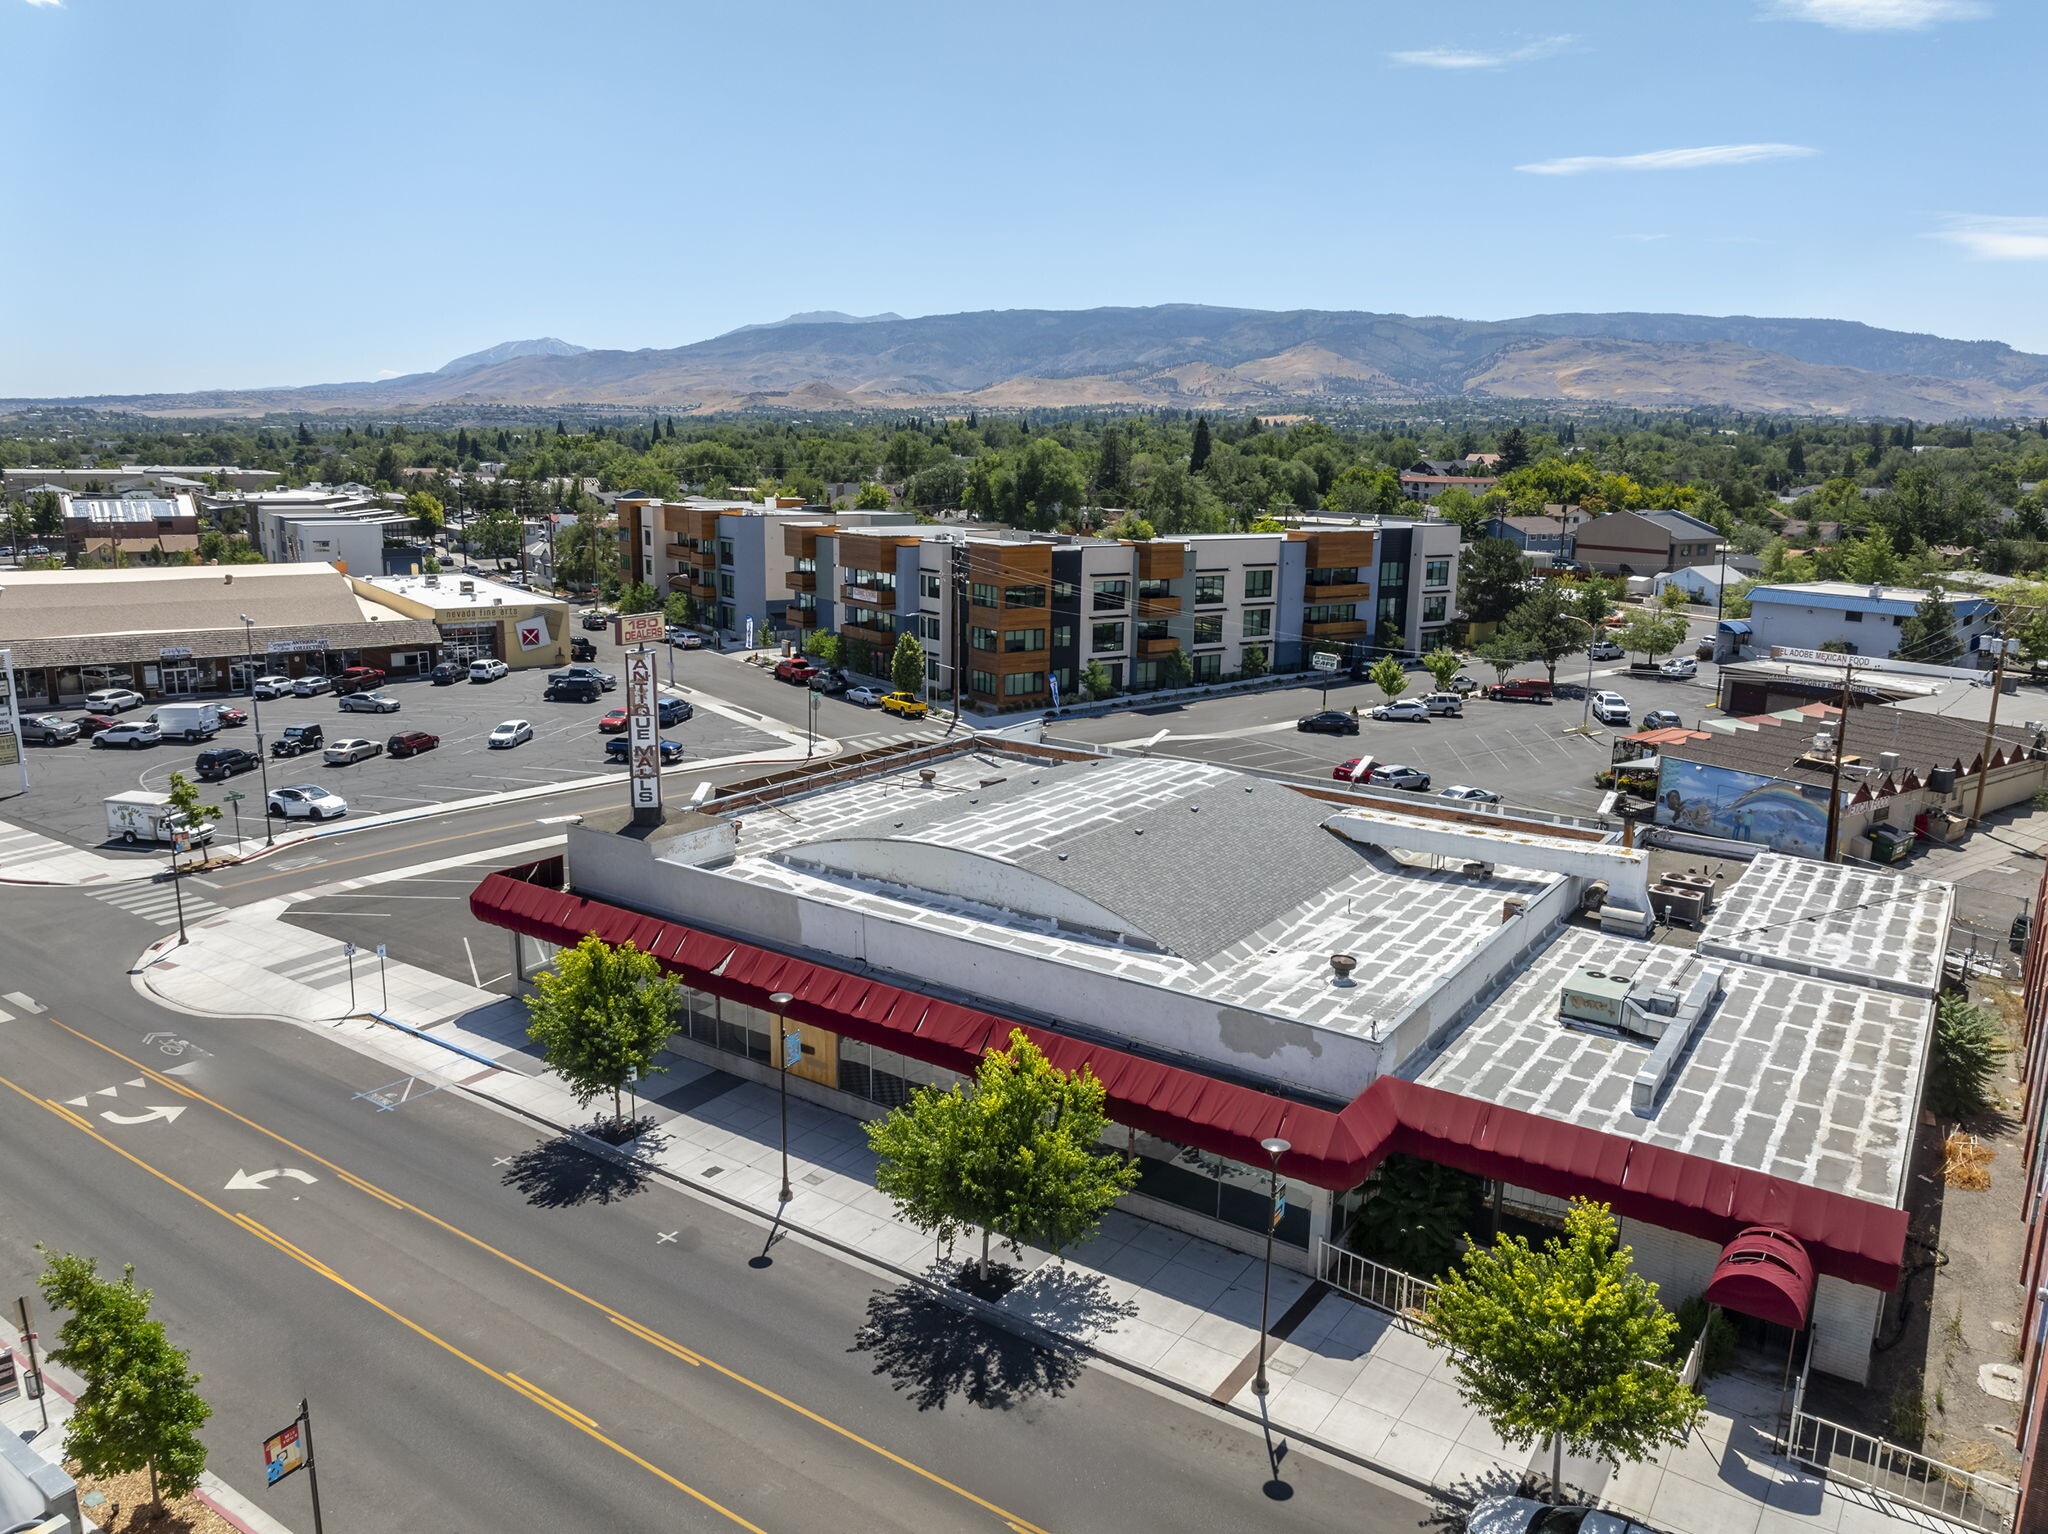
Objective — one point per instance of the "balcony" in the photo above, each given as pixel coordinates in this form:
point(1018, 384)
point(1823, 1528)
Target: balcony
point(868, 634)
point(1158, 607)
point(803, 580)
point(802, 617)
point(1164, 646)
point(703, 588)
point(682, 551)
point(1349, 628)
point(870, 596)
point(1348, 591)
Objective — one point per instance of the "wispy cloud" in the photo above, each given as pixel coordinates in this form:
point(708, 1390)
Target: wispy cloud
point(1989, 237)
point(1668, 159)
point(1642, 239)
point(1879, 15)
point(58, 3)
point(1475, 58)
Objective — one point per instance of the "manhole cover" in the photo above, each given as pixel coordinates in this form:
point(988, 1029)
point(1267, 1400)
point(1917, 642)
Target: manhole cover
point(713, 1171)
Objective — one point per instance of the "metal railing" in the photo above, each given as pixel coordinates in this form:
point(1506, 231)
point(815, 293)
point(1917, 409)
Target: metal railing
point(1371, 1283)
point(1900, 1475)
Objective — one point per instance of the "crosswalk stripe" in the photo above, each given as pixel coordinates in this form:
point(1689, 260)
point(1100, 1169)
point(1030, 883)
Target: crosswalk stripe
point(159, 906)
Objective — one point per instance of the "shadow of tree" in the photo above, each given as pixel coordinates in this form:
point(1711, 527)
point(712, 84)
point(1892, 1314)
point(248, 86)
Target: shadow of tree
point(1069, 1301)
point(932, 1353)
point(566, 1171)
point(1451, 1502)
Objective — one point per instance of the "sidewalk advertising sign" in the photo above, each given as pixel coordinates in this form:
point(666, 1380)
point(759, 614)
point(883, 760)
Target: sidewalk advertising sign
point(792, 1050)
point(1323, 660)
point(643, 732)
point(10, 1382)
point(641, 628)
point(283, 1452)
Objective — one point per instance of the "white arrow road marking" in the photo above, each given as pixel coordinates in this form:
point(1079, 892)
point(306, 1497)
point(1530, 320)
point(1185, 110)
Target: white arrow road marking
point(147, 1116)
point(26, 1003)
point(180, 1070)
point(138, 1082)
point(243, 1179)
point(76, 1102)
point(106, 1092)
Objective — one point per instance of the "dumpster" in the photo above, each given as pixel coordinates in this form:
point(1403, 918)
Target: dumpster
point(1889, 843)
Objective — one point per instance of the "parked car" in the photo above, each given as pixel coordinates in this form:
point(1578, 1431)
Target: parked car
point(1464, 686)
point(905, 705)
point(866, 697)
point(1468, 793)
point(1605, 649)
point(1449, 704)
point(312, 686)
point(1394, 775)
point(271, 686)
point(573, 689)
point(511, 733)
point(225, 762)
point(1679, 669)
point(831, 681)
point(232, 716)
point(1347, 772)
point(447, 673)
point(297, 739)
point(488, 670)
point(344, 752)
point(187, 721)
point(1611, 708)
point(1663, 719)
point(1331, 721)
point(90, 725)
point(604, 679)
point(358, 679)
point(613, 723)
point(686, 639)
point(674, 711)
point(1522, 689)
point(1524, 1515)
point(139, 732)
point(796, 671)
point(1704, 650)
point(410, 743)
point(49, 729)
point(113, 700)
point(1411, 710)
point(581, 648)
point(368, 703)
point(306, 801)
point(622, 751)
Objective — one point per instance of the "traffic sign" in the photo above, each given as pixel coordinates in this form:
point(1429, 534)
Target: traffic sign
point(380, 950)
point(233, 798)
point(1324, 660)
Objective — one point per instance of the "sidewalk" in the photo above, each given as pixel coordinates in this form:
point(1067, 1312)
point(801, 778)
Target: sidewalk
point(1181, 1311)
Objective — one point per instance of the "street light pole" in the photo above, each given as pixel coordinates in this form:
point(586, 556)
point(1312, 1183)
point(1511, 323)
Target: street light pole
point(256, 714)
point(1274, 1149)
point(782, 999)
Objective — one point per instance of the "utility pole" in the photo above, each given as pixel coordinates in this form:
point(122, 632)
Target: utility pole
point(1832, 852)
point(2004, 647)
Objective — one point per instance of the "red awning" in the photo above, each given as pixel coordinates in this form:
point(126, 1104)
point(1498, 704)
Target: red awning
point(1845, 1237)
point(1765, 1272)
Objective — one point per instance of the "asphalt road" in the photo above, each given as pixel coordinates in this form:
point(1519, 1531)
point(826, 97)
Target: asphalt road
point(499, 1334)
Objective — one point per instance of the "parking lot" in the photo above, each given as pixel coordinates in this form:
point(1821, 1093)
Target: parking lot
point(68, 783)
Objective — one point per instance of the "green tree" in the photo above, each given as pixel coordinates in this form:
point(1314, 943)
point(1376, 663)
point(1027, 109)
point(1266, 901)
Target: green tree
point(1417, 1216)
point(1568, 1343)
point(1014, 1154)
point(494, 534)
point(680, 609)
point(1968, 1049)
point(1389, 676)
point(1490, 577)
point(937, 487)
point(1253, 661)
point(601, 1015)
point(1651, 637)
point(1735, 601)
point(426, 511)
point(1198, 455)
point(872, 497)
point(1365, 490)
point(1442, 665)
point(1593, 599)
point(587, 550)
point(1503, 653)
point(906, 665)
point(638, 597)
point(1175, 671)
point(1930, 634)
point(1672, 597)
point(824, 646)
point(1544, 624)
point(183, 795)
point(1514, 451)
point(141, 1407)
point(1095, 681)
point(1462, 508)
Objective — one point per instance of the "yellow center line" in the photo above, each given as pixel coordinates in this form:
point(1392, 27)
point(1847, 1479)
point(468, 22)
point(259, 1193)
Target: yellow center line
point(645, 1333)
point(243, 1222)
point(547, 1400)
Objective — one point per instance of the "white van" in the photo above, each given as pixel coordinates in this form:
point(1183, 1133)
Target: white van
point(187, 721)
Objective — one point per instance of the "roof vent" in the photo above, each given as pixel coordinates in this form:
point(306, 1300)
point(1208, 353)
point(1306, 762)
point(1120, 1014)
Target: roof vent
point(1341, 965)
point(1137, 831)
point(928, 776)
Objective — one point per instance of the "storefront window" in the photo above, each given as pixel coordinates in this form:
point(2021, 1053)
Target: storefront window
point(1209, 1185)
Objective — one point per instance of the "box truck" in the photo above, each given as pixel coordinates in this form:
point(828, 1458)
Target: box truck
point(187, 721)
point(137, 816)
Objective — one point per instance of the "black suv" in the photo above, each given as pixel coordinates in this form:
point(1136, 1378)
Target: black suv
point(448, 673)
point(573, 689)
point(225, 762)
point(298, 739)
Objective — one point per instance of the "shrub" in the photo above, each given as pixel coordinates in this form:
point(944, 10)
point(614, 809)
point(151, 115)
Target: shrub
point(1417, 1216)
point(1968, 1048)
point(1720, 1350)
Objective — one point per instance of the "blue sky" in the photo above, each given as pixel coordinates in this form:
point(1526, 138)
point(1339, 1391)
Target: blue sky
point(246, 192)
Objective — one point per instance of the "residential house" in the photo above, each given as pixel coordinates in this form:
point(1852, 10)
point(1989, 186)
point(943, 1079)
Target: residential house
point(1552, 535)
point(1706, 583)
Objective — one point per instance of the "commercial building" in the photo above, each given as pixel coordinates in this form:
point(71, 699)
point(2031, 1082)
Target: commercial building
point(113, 479)
point(1645, 542)
point(1238, 959)
point(133, 528)
point(345, 526)
point(1855, 618)
point(727, 555)
point(178, 630)
point(1769, 778)
point(1707, 584)
point(478, 619)
point(1010, 616)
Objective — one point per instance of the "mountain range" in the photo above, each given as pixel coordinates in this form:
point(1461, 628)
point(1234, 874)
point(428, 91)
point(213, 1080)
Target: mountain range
point(1201, 357)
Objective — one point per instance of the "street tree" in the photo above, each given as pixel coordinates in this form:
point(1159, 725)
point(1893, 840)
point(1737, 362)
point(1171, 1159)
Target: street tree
point(1389, 676)
point(1503, 653)
point(1650, 636)
point(183, 795)
point(1673, 597)
point(1463, 509)
point(824, 646)
point(1568, 1343)
point(680, 609)
point(141, 1408)
point(601, 1015)
point(1593, 599)
point(494, 534)
point(638, 597)
point(1930, 634)
point(1252, 661)
point(1095, 681)
point(1547, 628)
point(1442, 665)
point(1176, 671)
point(1490, 577)
point(1014, 1154)
point(426, 511)
point(906, 665)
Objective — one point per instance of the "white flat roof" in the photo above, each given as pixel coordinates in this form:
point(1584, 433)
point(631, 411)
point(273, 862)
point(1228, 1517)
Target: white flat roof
point(448, 591)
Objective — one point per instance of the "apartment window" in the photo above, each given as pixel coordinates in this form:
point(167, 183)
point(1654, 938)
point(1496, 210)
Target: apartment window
point(982, 594)
point(1063, 678)
point(1208, 590)
point(1063, 636)
point(806, 566)
point(1331, 612)
point(724, 583)
point(725, 551)
point(1257, 583)
point(1393, 572)
point(1023, 641)
point(1145, 676)
point(1853, 616)
point(1435, 609)
point(873, 580)
point(1390, 610)
point(1107, 636)
point(1209, 668)
point(931, 669)
point(1020, 684)
point(1209, 630)
point(1154, 628)
point(1112, 596)
point(1436, 572)
point(1023, 596)
point(1336, 575)
point(930, 587)
point(982, 682)
point(982, 639)
point(1152, 590)
point(1258, 622)
point(1065, 591)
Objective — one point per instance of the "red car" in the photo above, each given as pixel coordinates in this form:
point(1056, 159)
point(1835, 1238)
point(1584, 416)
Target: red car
point(233, 716)
point(1343, 770)
point(410, 743)
point(357, 678)
point(90, 725)
point(796, 671)
point(612, 723)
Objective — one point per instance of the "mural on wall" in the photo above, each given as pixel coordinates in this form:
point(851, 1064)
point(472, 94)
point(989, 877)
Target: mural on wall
point(1743, 806)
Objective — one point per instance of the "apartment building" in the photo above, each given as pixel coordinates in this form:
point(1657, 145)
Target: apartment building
point(728, 555)
point(1009, 618)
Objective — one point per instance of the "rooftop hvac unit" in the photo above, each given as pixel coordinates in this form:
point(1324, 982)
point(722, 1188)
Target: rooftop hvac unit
point(1593, 996)
point(1942, 780)
point(1678, 905)
point(1888, 761)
